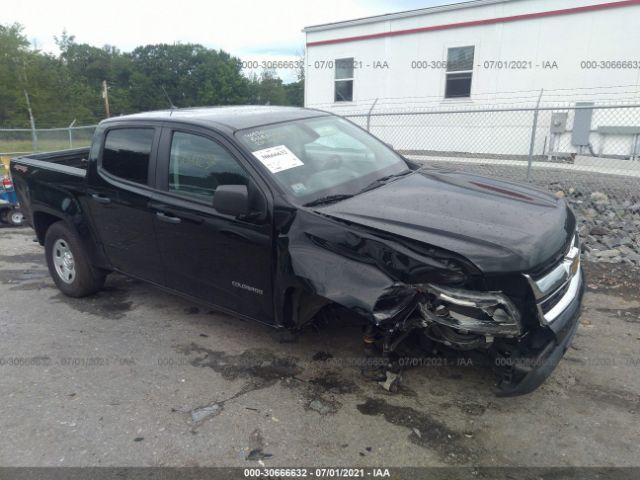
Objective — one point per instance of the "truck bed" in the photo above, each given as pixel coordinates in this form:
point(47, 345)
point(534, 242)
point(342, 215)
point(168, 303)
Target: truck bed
point(65, 161)
point(50, 182)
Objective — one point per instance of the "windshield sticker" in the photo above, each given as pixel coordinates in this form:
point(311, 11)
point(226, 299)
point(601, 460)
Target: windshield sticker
point(257, 137)
point(277, 159)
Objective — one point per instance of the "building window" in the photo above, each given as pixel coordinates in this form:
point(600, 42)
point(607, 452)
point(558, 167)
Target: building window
point(344, 80)
point(459, 72)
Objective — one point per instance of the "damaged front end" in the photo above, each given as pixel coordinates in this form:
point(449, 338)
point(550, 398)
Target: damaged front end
point(522, 342)
point(412, 294)
point(483, 313)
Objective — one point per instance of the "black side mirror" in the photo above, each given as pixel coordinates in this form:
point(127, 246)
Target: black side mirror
point(231, 200)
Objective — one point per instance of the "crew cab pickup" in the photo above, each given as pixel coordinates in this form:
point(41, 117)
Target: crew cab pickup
point(284, 214)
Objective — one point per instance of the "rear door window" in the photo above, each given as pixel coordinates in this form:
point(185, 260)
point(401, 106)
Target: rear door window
point(127, 153)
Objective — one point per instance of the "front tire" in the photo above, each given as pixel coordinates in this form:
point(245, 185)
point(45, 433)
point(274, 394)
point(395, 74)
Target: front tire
point(69, 263)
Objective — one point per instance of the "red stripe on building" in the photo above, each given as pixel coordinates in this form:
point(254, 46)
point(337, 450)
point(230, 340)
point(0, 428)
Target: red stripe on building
point(474, 23)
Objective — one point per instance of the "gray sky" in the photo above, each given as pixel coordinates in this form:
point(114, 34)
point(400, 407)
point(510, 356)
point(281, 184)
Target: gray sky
point(249, 29)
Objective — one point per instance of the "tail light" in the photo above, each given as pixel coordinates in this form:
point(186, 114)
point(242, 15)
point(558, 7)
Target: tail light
point(7, 184)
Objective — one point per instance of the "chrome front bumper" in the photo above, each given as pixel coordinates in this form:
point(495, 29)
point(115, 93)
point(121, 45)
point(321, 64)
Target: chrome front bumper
point(555, 290)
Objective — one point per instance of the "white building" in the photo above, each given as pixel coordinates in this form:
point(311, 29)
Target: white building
point(486, 54)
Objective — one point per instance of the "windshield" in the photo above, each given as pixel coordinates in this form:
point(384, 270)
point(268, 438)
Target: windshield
point(319, 157)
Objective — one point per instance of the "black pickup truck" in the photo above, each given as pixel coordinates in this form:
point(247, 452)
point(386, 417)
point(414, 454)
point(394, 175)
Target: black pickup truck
point(284, 214)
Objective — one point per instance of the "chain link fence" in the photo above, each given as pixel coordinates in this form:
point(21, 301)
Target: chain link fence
point(15, 141)
point(589, 154)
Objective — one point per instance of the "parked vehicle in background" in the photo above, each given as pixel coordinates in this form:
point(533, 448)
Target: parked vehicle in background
point(282, 215)
point(9, 208)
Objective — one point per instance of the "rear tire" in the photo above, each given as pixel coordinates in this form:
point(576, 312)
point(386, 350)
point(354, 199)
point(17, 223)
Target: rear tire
point(69, 263)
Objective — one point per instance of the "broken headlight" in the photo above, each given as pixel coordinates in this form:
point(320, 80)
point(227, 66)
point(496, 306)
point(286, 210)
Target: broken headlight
point(485, 313)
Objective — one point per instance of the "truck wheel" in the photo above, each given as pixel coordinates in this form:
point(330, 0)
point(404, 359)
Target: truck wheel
point(15, 218)
point(69, 263)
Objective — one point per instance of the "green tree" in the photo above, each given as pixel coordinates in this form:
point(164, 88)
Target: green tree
point(295, 90)
point(14, 48)
point(191, 75)
point(68, 86)
point(270, 89)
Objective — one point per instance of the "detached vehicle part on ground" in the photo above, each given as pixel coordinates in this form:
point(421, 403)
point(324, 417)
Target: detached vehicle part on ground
point(283, 214)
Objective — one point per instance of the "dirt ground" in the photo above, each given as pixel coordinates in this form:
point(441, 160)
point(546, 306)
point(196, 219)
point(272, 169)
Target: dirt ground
point(136, 377)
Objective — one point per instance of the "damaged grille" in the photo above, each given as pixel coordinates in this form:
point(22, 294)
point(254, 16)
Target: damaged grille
point(557, 288)
point(552, 300)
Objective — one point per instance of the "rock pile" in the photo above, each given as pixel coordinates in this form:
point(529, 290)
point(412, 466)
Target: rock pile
point(609, 228)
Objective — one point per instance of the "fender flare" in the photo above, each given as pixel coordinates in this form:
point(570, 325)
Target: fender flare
point(43, 217)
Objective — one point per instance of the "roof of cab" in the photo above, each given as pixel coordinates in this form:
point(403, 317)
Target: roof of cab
point(233, 117)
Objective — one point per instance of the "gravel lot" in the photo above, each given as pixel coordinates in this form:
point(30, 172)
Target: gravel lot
point(136, 377)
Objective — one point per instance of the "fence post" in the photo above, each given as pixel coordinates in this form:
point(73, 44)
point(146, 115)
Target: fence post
point(71, 133)
point(533, 136)
point(369, 115)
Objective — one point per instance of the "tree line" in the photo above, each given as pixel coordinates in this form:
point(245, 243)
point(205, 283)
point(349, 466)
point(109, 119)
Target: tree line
point(68, 86)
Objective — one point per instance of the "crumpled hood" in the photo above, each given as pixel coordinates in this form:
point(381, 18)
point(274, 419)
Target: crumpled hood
point(499, 226)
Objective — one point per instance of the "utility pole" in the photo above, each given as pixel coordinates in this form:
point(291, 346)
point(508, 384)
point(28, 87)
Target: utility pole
point(105, 96)
point(34, 135)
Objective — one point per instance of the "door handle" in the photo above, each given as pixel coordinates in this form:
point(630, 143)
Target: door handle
point(167, 211)
point(100, 198)
point(191, 218)
point(163, 217)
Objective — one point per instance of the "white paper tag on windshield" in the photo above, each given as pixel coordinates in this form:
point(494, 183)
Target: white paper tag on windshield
point(277, 159)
